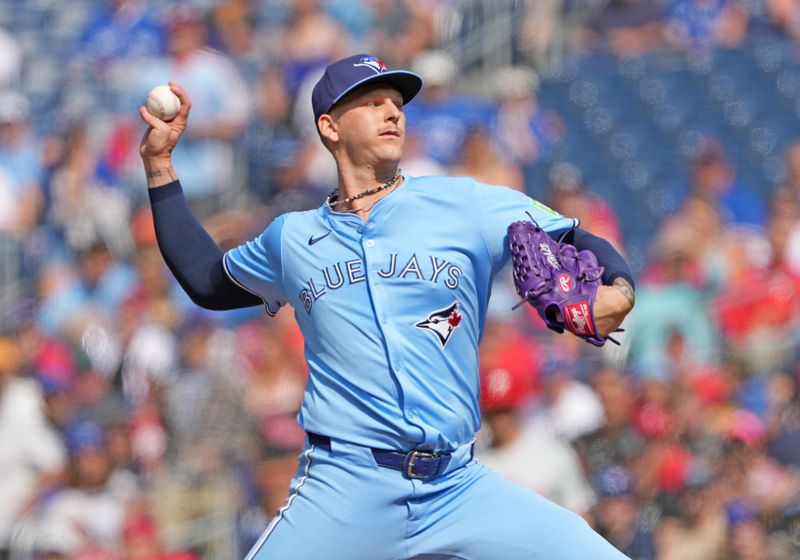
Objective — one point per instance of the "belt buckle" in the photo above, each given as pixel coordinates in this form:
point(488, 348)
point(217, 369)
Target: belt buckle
point(411, 459)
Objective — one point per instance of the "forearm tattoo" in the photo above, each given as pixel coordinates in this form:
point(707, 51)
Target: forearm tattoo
point(156, 174)
point(626, 289)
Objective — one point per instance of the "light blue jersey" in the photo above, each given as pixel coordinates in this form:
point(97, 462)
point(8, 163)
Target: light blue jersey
point(392, 309)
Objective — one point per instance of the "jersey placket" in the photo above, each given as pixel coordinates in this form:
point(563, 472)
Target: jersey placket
point(381, 305)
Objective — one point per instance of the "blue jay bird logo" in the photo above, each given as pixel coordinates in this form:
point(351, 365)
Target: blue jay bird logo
point(373, 63)
point(442, 323)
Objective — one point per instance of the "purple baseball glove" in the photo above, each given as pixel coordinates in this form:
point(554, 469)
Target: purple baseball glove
point(556, 278)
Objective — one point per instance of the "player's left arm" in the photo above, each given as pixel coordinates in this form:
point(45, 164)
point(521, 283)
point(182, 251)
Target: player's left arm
point(617, 296)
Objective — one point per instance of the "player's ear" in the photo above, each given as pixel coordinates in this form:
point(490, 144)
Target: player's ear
point(328, 129)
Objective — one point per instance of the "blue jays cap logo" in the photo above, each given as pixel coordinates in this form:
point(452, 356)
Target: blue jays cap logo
point(372, 62)
point(442, 323)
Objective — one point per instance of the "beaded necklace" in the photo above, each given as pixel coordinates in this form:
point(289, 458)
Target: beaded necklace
point(336, 202)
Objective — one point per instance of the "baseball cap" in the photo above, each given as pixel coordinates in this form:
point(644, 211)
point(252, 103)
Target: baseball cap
point(504, 387)
point(85, 435)
point(740, 511)
point(615, 481)
point(14, 106)
point(345, 75)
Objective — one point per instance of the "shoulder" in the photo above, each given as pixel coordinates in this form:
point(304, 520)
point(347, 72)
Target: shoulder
point(445, 184)
point(294, 223)
point(437, 182)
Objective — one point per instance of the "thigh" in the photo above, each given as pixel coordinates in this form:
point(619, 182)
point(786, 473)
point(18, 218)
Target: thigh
point(488, 517)
point(338, 508)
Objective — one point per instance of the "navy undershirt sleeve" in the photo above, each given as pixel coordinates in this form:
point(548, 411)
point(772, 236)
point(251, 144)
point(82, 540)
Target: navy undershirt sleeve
point(614, 264)
point(191, 254)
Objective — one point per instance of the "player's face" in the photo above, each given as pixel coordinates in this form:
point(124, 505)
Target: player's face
point(371, 124)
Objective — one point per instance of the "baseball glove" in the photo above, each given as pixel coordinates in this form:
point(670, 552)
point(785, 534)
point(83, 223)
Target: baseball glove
point(559, 281)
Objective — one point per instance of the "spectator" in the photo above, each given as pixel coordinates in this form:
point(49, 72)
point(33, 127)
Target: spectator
point(697, 528)
point(615, 441)
point(141, 539)
point(32, 458)
point(120, 31)
point(83, 210)
point(791, 163)
point(271, 144)
point(527, 455)
point(748, 472)
point(541, 32)
point(203, 419)
point(401, 29)
point(88, 514)
point(235, 33)
point(570, 408)
point(785, 223)
point(104, 280)
point(11, 64)
point(748, 535)
point(220, 112)
point(618, 516)
point(523, 130)
point(628, 27)
point(670, 299)
point(783, 422)
point(785, 14)
point(479, 159)
point(309, 41)
point(569, 196)
point(415, 161)
point(701, 25)
point(440, 116)
point(274, 386)
point(713, 179)
point(756, 329)
point(20, 165)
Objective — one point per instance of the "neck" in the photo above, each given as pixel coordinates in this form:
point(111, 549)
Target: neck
point(354, 180)
point(359, 191)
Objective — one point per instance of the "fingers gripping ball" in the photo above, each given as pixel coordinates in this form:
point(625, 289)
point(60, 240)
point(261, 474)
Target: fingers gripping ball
point(556, 279)
point(162, 103)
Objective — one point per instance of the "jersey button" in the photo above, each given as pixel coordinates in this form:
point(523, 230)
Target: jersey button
point(370, 243)
point(360, 229)
point(411, 414)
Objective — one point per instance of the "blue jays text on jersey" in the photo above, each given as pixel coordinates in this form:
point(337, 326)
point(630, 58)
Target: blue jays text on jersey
point(333, 277)
point(391, 308)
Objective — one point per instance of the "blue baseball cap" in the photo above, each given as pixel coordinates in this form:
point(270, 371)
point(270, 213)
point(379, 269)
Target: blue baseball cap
point(345, 75)
point(615, 481)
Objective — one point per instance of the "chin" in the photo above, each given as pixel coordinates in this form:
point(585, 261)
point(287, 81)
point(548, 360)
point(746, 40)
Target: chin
point(390, 155)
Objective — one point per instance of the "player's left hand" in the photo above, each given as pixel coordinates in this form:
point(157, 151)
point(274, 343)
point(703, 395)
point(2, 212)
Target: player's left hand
point(610, 308)
point(563, 284)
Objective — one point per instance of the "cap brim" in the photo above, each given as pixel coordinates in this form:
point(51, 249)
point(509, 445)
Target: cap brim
point(407, 83)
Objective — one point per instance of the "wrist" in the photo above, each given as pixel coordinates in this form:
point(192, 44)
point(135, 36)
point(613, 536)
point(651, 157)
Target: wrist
point(159, 172)
point(155, 162)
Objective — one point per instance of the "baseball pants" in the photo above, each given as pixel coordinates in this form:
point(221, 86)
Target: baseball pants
point(343, 506)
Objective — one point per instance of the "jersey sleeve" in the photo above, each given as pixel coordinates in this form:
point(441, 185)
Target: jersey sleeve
point(498, 207)
point(256, 266)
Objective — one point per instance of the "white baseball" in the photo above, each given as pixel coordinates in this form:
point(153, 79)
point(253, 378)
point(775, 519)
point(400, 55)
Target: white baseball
point(162, 103)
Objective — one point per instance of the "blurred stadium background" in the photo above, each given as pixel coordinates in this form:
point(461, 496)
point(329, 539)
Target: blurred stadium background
point(135, 425)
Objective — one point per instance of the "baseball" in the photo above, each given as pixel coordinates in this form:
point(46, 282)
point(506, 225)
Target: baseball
point(162, 103)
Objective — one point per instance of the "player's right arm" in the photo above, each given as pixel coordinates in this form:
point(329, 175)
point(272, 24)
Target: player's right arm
point(190, 253)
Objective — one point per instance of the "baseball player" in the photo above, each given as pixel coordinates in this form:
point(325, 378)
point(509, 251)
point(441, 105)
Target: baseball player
point(389, 280)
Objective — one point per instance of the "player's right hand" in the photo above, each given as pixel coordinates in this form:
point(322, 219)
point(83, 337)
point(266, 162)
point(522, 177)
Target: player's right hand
point(161, 137)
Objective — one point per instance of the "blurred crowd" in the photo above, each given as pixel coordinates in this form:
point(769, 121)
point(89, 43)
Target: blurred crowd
point(135, 425)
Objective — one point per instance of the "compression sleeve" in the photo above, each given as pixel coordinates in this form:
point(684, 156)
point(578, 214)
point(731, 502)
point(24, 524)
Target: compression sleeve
point(614, 264)
point(191, 254)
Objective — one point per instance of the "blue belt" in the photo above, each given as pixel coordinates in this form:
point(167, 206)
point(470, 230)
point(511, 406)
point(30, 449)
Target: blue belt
point(414, 464)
